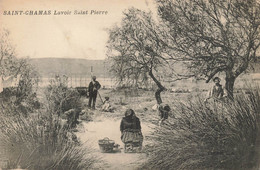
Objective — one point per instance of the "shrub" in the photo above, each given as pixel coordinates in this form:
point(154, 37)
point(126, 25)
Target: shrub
point(41, 142)
point(59, 97)
point(214, 136)
point(23, 96)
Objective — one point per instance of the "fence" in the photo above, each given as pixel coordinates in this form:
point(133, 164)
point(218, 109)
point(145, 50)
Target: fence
point(83, 81)
point(74, 81)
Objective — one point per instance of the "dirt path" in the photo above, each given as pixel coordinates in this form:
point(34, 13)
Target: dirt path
point(102, 127)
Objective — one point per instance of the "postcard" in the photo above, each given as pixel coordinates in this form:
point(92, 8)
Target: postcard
point(129, 84)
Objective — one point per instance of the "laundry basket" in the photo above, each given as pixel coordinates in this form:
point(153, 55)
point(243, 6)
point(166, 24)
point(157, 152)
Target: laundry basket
point(106, 145)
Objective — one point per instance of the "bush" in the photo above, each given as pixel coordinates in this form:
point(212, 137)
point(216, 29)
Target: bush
point(59, 97)
point(24, 96)
point(214, 136)
point(41, 142)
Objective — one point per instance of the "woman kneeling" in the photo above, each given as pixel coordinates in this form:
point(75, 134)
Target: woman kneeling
point(131, 134)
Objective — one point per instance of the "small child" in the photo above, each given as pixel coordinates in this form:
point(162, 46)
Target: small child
point(106, 106)
point(164, 110)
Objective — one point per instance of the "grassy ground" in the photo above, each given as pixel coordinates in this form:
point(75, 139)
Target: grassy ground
point(212, 136)
point(187, 138)
point(184, 142)
point(141, 101)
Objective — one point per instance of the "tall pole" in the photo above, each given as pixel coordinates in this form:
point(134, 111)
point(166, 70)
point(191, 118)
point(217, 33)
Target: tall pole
point(91, 71)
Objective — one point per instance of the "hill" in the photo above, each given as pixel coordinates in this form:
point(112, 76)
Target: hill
point(82, 67)
point(69, 66)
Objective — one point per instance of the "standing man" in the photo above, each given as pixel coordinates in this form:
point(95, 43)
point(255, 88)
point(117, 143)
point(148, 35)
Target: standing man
point(93, 88)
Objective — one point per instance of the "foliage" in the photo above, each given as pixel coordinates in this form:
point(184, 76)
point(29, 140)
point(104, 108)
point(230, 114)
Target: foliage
point(40, 142)
point(212, 36)
point(212, 136)
point(9, 64)
point(59, 97)
point(24, 95)
point(28, 82)
point(134, 51)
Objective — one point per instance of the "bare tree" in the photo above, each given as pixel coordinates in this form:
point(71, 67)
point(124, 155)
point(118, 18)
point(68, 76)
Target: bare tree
point(212, 36)
point(134, 49)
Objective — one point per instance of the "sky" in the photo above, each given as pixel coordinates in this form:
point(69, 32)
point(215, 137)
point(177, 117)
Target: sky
point(64, 36)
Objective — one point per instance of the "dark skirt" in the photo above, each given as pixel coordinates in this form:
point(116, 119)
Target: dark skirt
point(132, 136)
point(164, 115)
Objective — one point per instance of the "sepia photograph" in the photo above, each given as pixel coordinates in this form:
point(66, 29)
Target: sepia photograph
point(130, 85)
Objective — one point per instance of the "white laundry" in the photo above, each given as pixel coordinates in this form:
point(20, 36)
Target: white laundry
point(6, 82)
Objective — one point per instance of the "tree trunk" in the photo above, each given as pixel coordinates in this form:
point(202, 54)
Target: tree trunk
point(230, 81)
point(158, 95)
point(160, 88)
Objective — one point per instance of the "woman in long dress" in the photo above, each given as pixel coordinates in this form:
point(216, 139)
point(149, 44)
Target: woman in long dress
point(131, 134)
point(217, 91)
